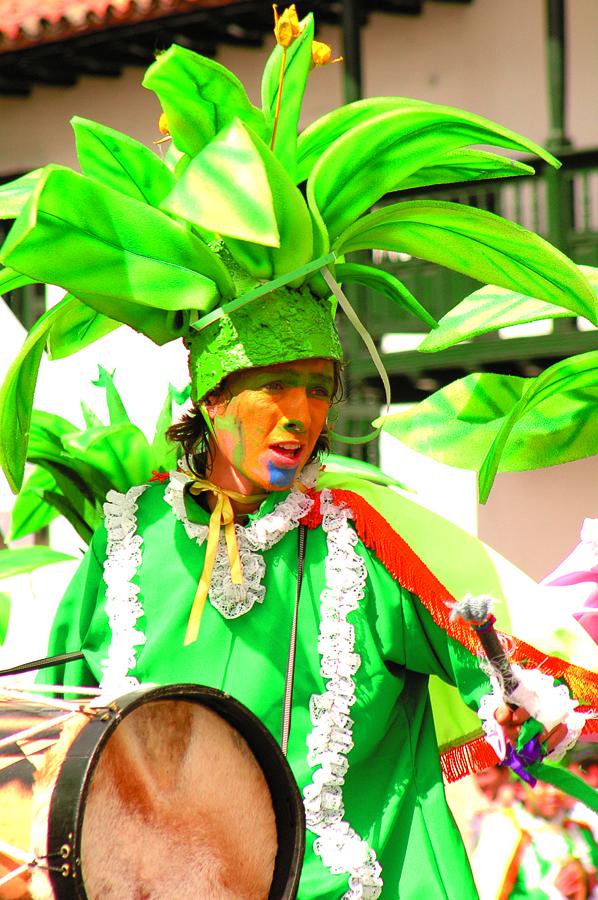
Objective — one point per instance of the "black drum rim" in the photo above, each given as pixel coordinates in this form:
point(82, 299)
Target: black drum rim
point(67, 805)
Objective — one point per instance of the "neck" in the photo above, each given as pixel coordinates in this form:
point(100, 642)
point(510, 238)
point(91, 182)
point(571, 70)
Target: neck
point(228, 479)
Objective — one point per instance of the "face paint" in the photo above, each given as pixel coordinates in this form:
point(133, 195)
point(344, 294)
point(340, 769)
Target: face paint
point(266, 431)
point(279, 478)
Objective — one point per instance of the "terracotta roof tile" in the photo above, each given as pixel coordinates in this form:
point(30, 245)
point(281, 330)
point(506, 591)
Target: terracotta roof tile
point(24, 23)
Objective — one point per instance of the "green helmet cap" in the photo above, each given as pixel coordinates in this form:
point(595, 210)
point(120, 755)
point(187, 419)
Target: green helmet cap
point(286, 325)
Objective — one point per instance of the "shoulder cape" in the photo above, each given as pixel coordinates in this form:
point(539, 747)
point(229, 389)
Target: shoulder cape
point(439, 562)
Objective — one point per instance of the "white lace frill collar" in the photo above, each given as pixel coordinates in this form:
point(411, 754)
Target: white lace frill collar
point(234, 600)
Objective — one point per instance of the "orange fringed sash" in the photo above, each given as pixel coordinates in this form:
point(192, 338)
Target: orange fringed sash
point(411, 572)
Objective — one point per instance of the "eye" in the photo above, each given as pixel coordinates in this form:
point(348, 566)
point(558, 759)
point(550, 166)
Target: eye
point(320, 392)
point(274, 386)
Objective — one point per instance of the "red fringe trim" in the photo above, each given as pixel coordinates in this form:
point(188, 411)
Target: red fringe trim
point(466, 759)
point(159, 476)
point(313, 518)
point(412, 573)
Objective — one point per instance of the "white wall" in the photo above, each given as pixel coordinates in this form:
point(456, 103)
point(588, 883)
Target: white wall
point(485, 56)
point(534, 518)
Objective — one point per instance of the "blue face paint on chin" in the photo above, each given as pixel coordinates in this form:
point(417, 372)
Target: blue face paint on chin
point(280, 477)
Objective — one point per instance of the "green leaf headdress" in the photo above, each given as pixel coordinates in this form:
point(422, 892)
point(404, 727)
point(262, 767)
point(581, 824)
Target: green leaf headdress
point(235, 240)
point(490, 422)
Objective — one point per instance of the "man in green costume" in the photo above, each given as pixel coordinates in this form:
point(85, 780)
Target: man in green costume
point(192, 578)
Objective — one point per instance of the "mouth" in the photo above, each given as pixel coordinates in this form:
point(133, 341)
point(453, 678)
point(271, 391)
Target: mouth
point(286, 453)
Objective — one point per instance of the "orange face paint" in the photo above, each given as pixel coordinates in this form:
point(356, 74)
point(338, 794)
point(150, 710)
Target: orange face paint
point(267, 426)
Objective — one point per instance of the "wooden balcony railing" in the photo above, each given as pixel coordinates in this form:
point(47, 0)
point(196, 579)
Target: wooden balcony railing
point(560, 205)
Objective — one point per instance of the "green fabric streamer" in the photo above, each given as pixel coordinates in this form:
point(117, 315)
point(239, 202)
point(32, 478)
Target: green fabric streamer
point(567, 782)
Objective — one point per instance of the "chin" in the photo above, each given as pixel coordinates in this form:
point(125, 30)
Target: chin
point(280, 478)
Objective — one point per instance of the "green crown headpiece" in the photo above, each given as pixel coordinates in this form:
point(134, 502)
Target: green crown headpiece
point(162, 243)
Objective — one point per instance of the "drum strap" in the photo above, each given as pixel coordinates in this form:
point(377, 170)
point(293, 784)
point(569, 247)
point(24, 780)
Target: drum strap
point(287, 701)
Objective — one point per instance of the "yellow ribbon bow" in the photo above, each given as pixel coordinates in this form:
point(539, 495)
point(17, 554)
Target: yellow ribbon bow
point(222, 515)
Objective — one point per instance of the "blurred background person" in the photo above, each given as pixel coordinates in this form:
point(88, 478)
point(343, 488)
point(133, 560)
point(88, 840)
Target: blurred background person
point(532, 848)
point(584, 762)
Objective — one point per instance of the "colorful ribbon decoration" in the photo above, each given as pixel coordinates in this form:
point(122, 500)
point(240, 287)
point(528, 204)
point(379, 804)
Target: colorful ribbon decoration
point(222, 515)
point(518, 760)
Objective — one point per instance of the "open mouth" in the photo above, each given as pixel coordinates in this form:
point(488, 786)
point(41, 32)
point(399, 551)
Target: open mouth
point(286, 452)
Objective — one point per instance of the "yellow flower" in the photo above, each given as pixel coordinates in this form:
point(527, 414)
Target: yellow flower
point(321, 53)
point(163, 124)
point(286, 27)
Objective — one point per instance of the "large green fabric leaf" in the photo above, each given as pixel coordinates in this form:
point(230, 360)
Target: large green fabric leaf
point(386, 284)
point(465, 165)
point(11, 280)
point(49, 428)
point(225, 189)
point(165, 452)
point(48, 448)
point(457, 165)
point(318, 136)
point(30, 512)
point(567, 393)
point(65, 508)
point(116, 408)
point(492, 307)
point(120, 162)
point(79, 328)
point(105, 244)
point(294, 227)
point(91, 419)
point(25, 559)
point(457, 424)
point(476, 243)
point(15, 194)
point(16, 395)
point(488, 309)
point(4, 615)
point(121, 452)
point(200, 97)
point(504, 423)
point(376, 156)
point(345, 465)
point(79, 502)
point(298, 63)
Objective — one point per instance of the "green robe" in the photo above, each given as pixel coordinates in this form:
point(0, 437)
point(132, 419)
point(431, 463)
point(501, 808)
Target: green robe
point(392, 794)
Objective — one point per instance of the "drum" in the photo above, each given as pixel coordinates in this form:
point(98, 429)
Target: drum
point(168, 793)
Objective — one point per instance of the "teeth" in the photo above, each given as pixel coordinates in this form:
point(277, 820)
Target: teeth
point(288, 446)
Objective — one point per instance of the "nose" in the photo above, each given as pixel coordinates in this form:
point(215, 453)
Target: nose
point(296, 411)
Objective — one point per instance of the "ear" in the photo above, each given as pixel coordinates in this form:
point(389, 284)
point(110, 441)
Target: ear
point(209, 405)
point(214, 404)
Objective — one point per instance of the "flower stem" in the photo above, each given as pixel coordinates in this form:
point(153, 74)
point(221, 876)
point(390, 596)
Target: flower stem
point(279, 96)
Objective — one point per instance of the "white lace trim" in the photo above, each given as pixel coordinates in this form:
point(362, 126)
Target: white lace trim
point(123, 558)
point(546, 701)
point(234, 600)
point(339, 846)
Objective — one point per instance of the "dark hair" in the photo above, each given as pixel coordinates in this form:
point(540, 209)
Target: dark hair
point(193, 434)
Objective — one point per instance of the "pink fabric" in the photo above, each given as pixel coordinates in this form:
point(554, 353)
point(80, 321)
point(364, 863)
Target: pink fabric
point(581, 568)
